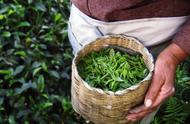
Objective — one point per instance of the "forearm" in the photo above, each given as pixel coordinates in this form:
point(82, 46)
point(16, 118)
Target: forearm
point(175, 53)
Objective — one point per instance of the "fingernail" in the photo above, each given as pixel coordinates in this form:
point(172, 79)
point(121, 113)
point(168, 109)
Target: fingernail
point(148, 103)
point(130, 118)
point(173, 89)
point(132, 111)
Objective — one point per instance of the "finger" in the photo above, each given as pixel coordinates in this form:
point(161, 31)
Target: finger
point(129, 120)
point(142, 111)
point(138, 116)
point(168, 86)
point(139, 112)
point(163, 95)
point(154, 88)
point(167, 89)
point(138, 109)
point(160, 99)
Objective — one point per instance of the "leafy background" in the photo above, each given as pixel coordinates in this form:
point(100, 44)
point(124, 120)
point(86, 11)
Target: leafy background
point(35, 67)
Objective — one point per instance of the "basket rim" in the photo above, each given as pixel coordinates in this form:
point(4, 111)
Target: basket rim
point(118, 92)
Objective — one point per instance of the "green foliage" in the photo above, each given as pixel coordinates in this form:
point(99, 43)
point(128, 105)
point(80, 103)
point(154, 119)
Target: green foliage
point(111, 69)
point(175, 111)
point(35, 61)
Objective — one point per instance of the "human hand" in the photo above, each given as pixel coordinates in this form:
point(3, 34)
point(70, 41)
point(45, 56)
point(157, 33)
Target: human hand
point(162, 84)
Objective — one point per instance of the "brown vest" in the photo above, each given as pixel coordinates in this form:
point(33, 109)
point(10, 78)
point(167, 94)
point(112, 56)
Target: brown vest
point(114, 10)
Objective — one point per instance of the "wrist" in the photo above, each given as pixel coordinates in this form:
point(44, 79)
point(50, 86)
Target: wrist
point(174, 54)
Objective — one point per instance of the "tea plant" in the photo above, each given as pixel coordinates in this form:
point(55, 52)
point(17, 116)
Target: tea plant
point(111, 69)
point(35, 61)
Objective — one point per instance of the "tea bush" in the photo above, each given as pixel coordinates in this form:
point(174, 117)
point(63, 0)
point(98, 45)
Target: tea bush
point(35, 60)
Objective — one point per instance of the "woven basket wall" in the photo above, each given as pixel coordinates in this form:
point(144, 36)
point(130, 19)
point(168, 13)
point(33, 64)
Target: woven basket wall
point(108, 107)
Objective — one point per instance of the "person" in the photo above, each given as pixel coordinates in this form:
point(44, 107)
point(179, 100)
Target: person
point(161, 25)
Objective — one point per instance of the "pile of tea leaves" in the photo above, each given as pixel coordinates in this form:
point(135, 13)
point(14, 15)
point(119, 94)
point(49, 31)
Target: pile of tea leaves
point(111, 69)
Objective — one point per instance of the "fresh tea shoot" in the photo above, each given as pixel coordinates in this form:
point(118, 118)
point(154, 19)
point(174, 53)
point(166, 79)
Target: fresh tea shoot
point(111, 69)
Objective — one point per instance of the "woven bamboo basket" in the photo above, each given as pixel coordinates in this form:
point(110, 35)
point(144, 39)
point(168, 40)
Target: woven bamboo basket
point(108, 107)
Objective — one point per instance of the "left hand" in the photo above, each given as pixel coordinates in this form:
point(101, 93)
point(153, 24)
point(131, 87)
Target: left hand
point(162, 85)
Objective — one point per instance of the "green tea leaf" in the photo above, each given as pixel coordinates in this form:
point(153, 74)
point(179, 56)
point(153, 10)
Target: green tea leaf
point(20, 53)
point(6, 72)
point(18, 70)
point(30, 1)
point(23, 24)
point(3, 9)
point(46, 105)
point(41, 83)
point(36, 64)
point(1, 100)
point(6, 34)
point(54, 74)
point(2, 17)
point(44, 66)
point(113, 70)
point(57, 17)
point(11, 119)
point(36, 71)
point(25, 87)
point(40, 6)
